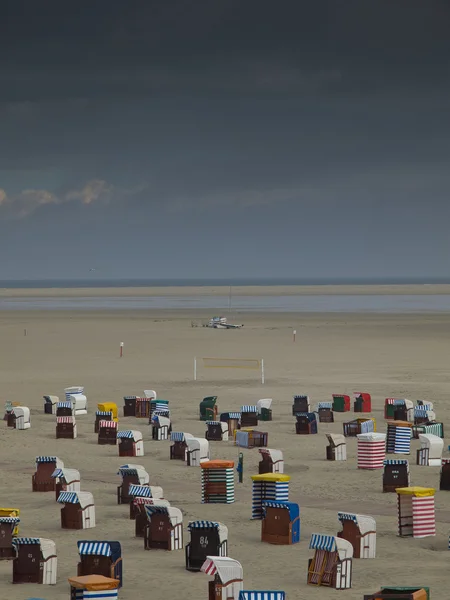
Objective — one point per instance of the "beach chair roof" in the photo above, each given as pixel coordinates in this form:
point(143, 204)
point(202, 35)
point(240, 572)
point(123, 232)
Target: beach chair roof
point(271, 477)
point(21, 411)
point(97, 548)
point(94, 584)
point(209, 400)
point(180, 436)
point(175, 515)
point(112, 406)
point(226, 568)
point(51, 399)
point(140, 490)
point(103, 413)
point(416, 491)
point(220, 527)
point(81, 498)
point(371, 437)
point(159, 402)
point(48, 547)
point(223, 426)
point(134, 470)
point(249, 408)
point(161, 413)
point(130, 467)
point(150, 394)
point(12, 521)
point(429, 440)
point(324, 405)
point(336, 438)
point(264, 403)
point(70, 475)
point(226, 416)
point(292, 507)
point(74, 389)
point(275, 455)
point(425, 404)
point(400, 402)
point(197, 444)
point(50, 459)
point(65, 404)
point(77, 399)
point(365, 523)
point(311, 416)
point(261, 595)
point(330, 543)
point(206, 525)
point(301, 397)
point(130, 434)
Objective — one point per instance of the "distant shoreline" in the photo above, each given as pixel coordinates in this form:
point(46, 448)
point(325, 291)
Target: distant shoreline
point(224, 290)
point(219, 282)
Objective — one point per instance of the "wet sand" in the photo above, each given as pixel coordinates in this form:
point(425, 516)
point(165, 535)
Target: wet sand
point(386, 355)
point(281, 290)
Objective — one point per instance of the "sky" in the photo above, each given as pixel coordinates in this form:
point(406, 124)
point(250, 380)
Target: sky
point(200, 138)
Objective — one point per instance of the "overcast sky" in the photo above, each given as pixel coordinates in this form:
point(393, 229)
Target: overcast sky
point(234, 138)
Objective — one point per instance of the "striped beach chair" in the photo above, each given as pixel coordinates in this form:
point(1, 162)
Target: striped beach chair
point(65, 409)
point(179, 447)
point(8, 529)
point(249, 416)
point(332, 563)
point(102, 415)
point(164, 530)
point(395, 474)
point(100, 558)
point(325, 412)
point(217, 482)
point(261, 595)
point(269, 486)
point(207, 538)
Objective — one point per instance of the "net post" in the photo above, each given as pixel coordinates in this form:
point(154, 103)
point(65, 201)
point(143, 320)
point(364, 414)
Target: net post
point(262, 370)
point(195, 368)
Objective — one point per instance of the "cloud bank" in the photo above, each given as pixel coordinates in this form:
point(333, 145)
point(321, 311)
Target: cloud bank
point(26, 202)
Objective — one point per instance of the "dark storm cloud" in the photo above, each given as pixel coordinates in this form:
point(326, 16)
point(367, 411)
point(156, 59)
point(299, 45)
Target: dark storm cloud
point(136, 116)
point(186, 46)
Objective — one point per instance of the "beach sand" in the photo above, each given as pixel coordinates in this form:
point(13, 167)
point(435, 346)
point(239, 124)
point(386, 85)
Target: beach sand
point(386, 355)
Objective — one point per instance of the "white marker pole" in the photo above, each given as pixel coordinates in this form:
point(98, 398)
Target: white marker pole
point(262, 371)
point(294, 333)
point(121, 349)
point(195, 368)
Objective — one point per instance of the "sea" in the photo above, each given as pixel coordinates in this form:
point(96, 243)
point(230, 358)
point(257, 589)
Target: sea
point(231, 302)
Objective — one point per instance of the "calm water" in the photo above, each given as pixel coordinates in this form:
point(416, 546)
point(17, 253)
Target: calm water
point(319, 303)
point(102, 283)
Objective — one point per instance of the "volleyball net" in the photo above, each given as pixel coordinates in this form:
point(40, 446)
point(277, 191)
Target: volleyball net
point(252, 364)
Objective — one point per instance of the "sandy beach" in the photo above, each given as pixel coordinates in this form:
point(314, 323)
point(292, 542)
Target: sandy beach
point(386, 355)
